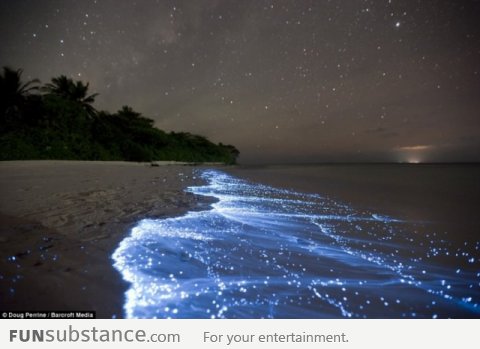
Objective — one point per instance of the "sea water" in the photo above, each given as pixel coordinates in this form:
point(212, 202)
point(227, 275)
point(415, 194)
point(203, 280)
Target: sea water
point(265, 252)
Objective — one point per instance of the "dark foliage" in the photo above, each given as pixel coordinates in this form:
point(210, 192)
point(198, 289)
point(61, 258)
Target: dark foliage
point(61, 123)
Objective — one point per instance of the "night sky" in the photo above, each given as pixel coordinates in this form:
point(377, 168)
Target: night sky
point(283, 81)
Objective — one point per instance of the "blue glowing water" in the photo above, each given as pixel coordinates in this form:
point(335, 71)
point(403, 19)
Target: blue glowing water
point(262, 252)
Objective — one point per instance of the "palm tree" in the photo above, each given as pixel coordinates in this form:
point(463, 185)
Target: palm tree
point(74, 91)
point(61, 86)
point(13, 92)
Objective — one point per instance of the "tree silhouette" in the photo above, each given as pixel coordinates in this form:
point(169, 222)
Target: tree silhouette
point(133, 117)
point(62, 124)
point(74, 91)
point(13, 92)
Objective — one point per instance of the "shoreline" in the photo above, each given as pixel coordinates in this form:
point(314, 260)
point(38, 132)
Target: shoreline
point(61, 221)
point(267, 252)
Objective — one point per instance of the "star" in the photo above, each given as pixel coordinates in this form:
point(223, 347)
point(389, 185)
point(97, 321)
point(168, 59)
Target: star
point(276, 63)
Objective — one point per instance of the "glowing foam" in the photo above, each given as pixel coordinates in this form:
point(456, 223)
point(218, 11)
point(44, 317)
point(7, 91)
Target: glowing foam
point(262, 252)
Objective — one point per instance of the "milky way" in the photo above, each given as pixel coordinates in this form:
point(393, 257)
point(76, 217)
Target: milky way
point(281, 80)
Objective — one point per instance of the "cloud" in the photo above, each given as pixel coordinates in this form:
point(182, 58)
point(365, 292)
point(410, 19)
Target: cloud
point(416, 147)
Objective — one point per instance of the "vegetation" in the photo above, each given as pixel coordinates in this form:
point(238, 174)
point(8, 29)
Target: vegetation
point(58, 121)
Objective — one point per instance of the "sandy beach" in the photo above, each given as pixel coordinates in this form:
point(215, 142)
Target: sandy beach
point(258, 252)
point(60, 222)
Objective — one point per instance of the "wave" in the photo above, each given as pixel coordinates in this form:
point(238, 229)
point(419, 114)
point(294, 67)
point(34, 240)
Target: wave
point(264, 252)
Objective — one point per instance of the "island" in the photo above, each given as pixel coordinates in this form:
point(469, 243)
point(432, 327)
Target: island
point(58, 121)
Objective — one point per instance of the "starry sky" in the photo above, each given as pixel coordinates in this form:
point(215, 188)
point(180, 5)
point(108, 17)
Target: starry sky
point(283, 81)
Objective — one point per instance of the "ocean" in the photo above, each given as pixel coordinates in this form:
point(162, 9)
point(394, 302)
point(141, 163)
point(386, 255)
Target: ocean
point(316, 241)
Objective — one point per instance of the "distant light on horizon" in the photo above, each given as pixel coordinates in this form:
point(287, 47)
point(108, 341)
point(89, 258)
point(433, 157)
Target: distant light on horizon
point(414, 154)
point(413, 161)
point(410, 160)
point(413, 157)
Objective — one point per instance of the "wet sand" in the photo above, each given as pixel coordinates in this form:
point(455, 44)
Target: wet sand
point(60, 221)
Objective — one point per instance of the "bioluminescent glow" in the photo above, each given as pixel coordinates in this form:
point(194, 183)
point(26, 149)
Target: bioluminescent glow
point(262, 252)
